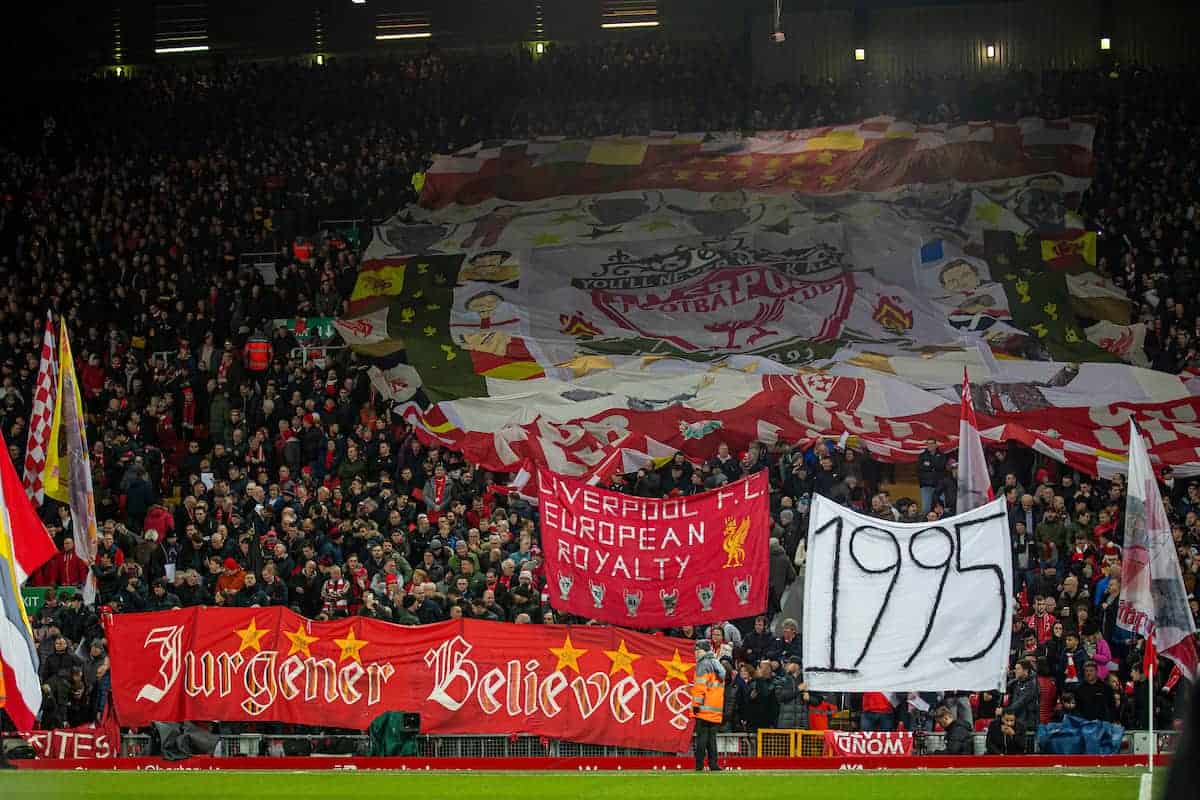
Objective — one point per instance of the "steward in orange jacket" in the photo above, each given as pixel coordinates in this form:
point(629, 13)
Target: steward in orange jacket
point(708, 704)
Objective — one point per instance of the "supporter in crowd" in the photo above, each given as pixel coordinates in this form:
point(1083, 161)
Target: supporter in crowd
point(221, 480)
point(1006, 735)
point(959, 739)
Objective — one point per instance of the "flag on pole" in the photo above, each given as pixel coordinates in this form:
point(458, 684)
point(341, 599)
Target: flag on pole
point(1154, 600)
point(41, 416)
point(68, 443)
point(974, 486)
point(20, 687)
point(31, 543)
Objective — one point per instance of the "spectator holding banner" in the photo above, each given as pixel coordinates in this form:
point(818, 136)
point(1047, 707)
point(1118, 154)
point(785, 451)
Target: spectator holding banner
point(878, 714)
point(791, 692)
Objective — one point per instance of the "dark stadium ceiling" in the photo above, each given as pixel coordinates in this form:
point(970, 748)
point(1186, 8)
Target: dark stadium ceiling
point(62, 35)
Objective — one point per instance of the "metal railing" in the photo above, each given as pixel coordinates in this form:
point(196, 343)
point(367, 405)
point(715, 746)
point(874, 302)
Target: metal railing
point(315, 352)
point(263, 258)
point(464, 746)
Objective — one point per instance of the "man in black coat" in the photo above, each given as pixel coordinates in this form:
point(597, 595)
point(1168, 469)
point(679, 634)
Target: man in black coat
point(1024, 697)
point(1093, 697)
point(1006, 736)
point(960, 740)
point(931, 468)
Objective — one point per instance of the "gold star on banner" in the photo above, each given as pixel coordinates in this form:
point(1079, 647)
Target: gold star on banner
point(797, 180)
point(828, 180)
point(1072, 336)
point(676, 668)
point(774, 163)
point(800, 159)
point(418, 294)
point(350, 646)
point(543, 239)
point(1051, 310)
point(449, 351)
point(622, 659)
point(568, 655)
point(746, 161)
point(825, 158)
point(429, 330)
point(683, 174)
point(251, 637)
point(1040, 330)
point(737, 176)
point(711, 176)
point(407, 315)
point(989, 212)
point(301, 641)
point(432, 307)
point(439, 279)
point(1002, 259)
point(422, 269)
point(1022, 241)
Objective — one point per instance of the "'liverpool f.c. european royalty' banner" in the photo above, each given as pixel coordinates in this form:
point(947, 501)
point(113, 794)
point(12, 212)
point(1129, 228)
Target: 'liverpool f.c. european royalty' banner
point(653, 563)
point(907, 607)
point(585, 684)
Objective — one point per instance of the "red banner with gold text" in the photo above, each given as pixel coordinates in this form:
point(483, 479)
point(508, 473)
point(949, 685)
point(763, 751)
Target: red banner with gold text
point(586, 684)
point(656, 563)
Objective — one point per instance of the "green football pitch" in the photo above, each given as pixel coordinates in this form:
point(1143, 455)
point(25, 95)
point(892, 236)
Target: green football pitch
point(1109, 784)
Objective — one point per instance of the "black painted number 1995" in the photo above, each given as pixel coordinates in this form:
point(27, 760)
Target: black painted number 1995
point(953, 542)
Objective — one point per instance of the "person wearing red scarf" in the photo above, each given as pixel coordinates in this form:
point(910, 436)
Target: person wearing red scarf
point(438, 493)
point(1041, 621)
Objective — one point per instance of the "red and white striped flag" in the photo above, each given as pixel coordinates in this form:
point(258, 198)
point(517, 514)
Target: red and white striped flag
point(974, 486)
point(41, 416)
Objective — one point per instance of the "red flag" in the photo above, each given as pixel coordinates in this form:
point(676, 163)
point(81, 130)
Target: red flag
point(31, 542)
point(1150, 656)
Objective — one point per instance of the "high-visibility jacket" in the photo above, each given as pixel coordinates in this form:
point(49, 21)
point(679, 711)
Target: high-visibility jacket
point(708, 690)
point(258, 354)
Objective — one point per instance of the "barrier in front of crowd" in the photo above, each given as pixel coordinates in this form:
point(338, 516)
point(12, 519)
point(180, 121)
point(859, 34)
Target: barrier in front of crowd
point(518, 764)
point(766, 744)
point(249, 745)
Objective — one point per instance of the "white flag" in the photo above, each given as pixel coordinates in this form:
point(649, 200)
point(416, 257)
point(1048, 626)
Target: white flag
point(1154, 600)
point(974, 486)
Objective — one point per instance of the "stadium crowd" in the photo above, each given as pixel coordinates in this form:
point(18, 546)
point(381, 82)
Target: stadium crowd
point(126, 210)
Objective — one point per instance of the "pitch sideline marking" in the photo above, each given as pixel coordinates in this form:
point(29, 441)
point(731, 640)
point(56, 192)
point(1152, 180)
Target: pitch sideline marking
point(1146, 787)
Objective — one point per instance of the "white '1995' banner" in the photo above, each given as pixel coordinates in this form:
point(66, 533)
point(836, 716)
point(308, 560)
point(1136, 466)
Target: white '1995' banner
point(892, 607)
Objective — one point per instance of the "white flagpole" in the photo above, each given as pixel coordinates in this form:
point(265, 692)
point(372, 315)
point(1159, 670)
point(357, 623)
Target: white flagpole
point(1153, 741)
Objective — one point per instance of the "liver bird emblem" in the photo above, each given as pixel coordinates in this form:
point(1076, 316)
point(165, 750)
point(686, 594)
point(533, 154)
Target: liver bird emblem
point(735, 541)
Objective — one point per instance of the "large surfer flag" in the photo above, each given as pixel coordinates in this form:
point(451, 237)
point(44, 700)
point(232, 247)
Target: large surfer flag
point(696, 288)
point(1154, 600)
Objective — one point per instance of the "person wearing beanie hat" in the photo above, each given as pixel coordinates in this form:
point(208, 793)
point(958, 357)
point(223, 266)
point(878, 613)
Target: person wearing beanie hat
point(231, 581)
point(708, 704)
